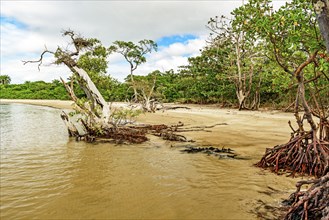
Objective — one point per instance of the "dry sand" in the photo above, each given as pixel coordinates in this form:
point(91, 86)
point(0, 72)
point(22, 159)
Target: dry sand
point(248, 132)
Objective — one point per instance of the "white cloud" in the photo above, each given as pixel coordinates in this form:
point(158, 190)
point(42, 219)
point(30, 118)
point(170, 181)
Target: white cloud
point(117, 20)
point(20, 41)
point(107, 21)
point(29, 72)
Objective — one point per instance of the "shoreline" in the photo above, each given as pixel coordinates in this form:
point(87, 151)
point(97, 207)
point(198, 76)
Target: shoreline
point(58, 104)
point(249, 131)
point(67, 104)
point(199, 109)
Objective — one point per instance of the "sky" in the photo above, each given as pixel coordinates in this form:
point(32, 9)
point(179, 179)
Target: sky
point(178, 27)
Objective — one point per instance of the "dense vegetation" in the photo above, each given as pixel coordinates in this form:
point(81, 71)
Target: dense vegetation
point(195, 83)
point(34, 90)
point(237, 68)
point(56, 90)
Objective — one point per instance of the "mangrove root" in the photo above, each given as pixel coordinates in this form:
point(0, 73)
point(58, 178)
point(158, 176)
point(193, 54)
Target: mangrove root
point(310, 204)
point(131, 133)
point(304, 154)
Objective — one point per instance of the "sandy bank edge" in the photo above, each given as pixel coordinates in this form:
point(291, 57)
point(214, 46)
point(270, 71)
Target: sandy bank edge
point(193, 108)
point(59, 104)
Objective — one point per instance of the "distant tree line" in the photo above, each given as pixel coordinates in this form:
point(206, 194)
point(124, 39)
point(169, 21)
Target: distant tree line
point(199, 82)
point(244, 64)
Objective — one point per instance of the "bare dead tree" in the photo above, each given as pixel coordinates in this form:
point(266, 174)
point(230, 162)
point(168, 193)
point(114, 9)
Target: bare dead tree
point(242, 77)
point(95, 117)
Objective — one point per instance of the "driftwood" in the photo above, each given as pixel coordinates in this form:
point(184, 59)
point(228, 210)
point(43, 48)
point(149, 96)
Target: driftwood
point(175, 107)
point(217, 152)
point(169, 132)
point(72, 130)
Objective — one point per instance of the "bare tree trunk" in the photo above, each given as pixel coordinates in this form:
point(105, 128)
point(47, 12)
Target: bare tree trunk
point(239, 84)
point(149, 104)
point(256, 101)
point(241, 98)
point(307, 109)
point(97, 97)
point(133, 82)
point(301, 92)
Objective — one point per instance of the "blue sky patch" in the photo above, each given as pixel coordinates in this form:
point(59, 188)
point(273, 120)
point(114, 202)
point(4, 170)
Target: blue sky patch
point(13, 21)
point(166, 41)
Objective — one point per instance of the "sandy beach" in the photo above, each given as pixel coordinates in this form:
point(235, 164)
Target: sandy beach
point(248, 131)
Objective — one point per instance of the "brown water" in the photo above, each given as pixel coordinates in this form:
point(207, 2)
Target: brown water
point(46, 175)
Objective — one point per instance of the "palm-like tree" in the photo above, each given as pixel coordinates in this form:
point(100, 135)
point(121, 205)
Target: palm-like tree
point(4, 79)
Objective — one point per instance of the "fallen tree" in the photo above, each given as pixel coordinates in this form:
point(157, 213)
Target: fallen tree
point(94, 118)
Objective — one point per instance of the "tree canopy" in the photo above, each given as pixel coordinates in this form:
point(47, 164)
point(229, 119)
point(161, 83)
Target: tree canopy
point(5, 79)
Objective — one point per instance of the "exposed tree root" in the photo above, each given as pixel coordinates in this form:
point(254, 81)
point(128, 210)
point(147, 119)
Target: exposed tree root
point(131, 133)
point(171, 136)
point(303, 154)
point(116, 134)
point(310, 204)
point(167, 132)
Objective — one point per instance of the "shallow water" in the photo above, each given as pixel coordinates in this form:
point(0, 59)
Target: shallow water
point(46, 175)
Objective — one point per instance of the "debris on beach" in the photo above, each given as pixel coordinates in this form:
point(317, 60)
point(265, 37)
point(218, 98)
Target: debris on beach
point(221, 153)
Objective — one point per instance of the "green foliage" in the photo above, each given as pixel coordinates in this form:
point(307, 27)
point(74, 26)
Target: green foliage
point(133, 53)
point(123, 115)
point(5, 79)
point(34, 90)
point(291, 33)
